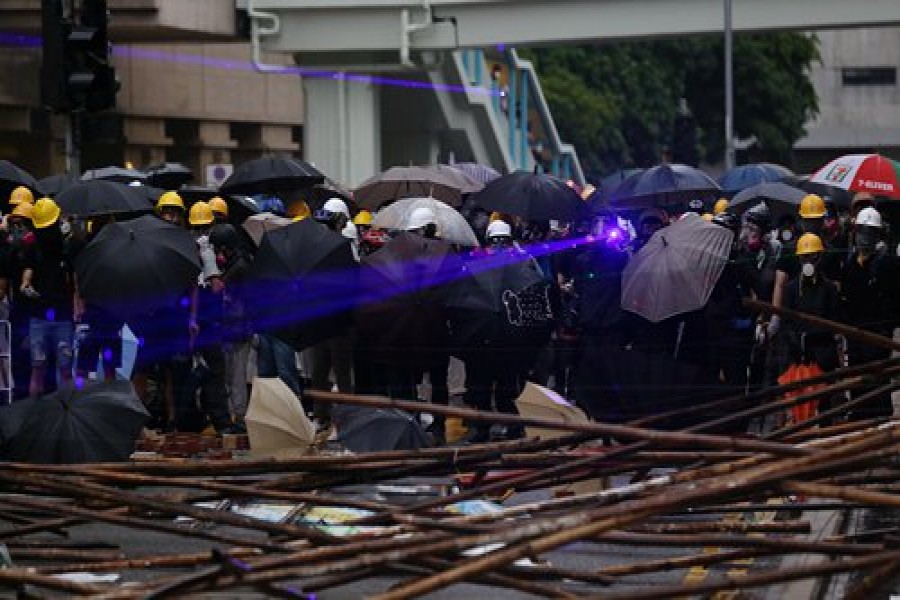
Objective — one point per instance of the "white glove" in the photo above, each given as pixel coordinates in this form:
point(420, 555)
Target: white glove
point(207, 259)
point(767, 331)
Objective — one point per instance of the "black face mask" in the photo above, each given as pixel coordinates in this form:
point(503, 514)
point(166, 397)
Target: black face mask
point(866, 240)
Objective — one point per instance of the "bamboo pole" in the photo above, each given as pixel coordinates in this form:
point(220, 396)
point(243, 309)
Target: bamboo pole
point(851, 333)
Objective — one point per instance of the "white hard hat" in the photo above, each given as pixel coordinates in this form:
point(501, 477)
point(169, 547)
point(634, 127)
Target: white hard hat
point(421, 217)
point(869, 217)
point(499, 229)
point(336, 205)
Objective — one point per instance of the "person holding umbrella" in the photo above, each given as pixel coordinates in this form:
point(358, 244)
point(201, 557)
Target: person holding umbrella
point(336, 353)
point(18, 239)
point(170, 207)
point(206, 330)
point(48, 287)
point(649, 222)
point(219, 209)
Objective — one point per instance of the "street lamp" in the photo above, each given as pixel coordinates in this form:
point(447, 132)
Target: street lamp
point(729, 87)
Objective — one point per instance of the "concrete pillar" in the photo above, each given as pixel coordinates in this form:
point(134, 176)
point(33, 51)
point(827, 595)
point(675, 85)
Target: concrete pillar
point(342, 129)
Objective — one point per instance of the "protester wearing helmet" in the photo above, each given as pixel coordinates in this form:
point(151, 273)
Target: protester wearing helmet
point(219, 209)
point(170, 207)
point(870, 286)
point(760, 250)
point(47, 288)
point(812, 293)
point(334, 354)
point(363, 222)
point(720, 206)
point(499, 235)
point(233, 261)
point(207, 331)
point(21, 195)
point(423, 221)
point(298, 210)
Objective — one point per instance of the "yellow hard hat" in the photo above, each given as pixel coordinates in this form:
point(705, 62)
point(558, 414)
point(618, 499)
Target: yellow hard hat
point(219, 206)
point(298, 210)
point(19, 195)
point(812, 207)
point(201, 214)
point(707, 216)
point(24, 210)
point(46, 213)
point(363, 217)
point(809, 243)
point(720, 206)
point(169, 200)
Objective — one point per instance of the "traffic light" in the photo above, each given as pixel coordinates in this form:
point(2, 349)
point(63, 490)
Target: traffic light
point(76, 73)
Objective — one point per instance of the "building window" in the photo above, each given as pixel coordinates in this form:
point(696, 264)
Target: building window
point(869, 76)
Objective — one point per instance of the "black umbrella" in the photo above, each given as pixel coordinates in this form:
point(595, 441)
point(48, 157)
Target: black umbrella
point(137, 267)
point(12, 177)
point(779, 197)
point(363, 429)
point(117, 174)
point(304, 285)
point(56, 184)
point(271, 175)
point(664, 186)
point(318, 195)
point(98, 422)
point(170, 175)
point(99, 197)
point(404, 291)
point(240, 208)
point(535, 197)
point(479, 305)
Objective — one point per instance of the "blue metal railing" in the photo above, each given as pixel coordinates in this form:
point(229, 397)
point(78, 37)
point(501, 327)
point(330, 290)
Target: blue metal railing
point(523, 93)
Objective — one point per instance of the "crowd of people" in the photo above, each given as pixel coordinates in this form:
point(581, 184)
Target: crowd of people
point(567, 328)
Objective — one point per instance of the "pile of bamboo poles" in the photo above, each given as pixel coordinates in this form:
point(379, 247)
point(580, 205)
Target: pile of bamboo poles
point(720, 502)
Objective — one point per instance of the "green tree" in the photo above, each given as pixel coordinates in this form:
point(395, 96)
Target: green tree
point(617, 102)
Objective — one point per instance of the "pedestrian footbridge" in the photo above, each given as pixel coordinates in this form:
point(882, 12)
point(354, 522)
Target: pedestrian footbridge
point(450, 84)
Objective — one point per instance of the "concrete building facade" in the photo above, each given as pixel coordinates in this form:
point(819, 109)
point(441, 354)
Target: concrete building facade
point(859, 96)
point(198, 101)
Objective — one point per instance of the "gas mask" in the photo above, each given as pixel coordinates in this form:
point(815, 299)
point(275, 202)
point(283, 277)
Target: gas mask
point(808, 270)
point(866, 240)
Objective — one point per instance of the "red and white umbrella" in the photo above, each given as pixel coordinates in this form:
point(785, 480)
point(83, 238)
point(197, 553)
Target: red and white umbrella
point(871, 173)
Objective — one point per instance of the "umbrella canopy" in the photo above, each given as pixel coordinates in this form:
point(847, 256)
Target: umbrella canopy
point(740, 178)
point(663, 185)
point(871, 173)
point(55, 184)
point(12, 177)
point(98, 422)
point(170, 175)
point(318, 195)
point(117, 174)
point(676, 270)
point(99, 197)
point(536, 197)
point(452, 227)
point(275, 418)
point(409, 182)
point(136, 267)
point(478, 304)
point(271, 175)
point(779, 197)
point(259, 224)
point(363, 429)
point(404, 291)
point(305, 283)
point(462, 180)
point(483, 174)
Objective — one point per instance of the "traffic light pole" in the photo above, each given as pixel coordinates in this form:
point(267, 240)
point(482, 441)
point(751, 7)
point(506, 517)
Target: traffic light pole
point(73, 144)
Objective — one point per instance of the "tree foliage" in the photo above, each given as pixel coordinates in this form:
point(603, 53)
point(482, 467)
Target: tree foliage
point(617, 102)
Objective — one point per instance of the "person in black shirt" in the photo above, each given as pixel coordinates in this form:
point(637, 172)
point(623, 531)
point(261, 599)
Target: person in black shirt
point(870, 286)
point(47, 287)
